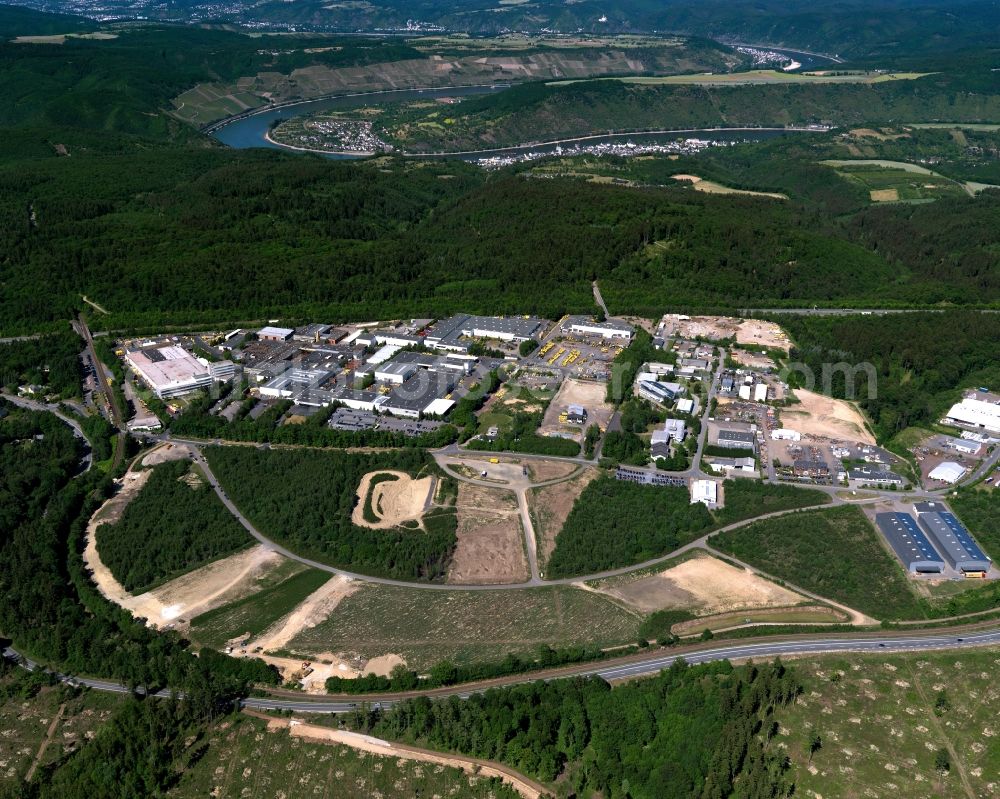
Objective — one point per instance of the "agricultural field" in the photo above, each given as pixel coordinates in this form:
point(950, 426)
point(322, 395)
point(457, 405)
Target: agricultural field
point(834, 552)
point(425, 627)
point(40, 725)
point(256, 613)
point(882, 720)
point(247, 757)
point(896, 184)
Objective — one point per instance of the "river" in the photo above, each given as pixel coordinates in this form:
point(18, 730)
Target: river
point(251, 131)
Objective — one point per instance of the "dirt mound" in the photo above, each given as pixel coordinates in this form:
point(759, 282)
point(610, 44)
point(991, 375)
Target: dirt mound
point(392, 502)
point(705, 585)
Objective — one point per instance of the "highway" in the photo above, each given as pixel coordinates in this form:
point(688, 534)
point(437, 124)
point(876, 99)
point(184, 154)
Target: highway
point(620, 669)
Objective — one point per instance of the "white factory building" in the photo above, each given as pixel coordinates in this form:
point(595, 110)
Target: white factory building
point(785, 434)
point(948, 472)
point(976, 413)
point(706, 492)
point(169, 370)
point(584, 326)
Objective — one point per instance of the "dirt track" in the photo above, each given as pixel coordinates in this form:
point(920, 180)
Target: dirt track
point(366, 743)
point(393, 501)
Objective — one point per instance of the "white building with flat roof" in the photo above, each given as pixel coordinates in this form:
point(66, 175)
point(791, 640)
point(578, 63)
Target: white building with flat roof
point(270, 333)
point(169, 370)
point(948, 472)
point(585, 326)
point(705, 491)
point(976, 413)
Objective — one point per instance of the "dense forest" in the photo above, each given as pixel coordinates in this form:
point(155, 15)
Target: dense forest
point(691, 732)
point(617, 523)
point(51, 361)
point(174, 525)
point(304, 500)
point(49, 606)
point(920, 361)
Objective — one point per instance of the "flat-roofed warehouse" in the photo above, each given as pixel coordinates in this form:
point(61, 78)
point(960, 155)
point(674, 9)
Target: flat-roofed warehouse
point(952, 539)
point(909, 543)
point(169, 370)
point(976, 413)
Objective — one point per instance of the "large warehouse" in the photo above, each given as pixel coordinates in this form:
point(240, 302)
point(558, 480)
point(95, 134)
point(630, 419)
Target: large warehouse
point(169, 370)
point(952, 539)
point(976, 413)
point(909, 543)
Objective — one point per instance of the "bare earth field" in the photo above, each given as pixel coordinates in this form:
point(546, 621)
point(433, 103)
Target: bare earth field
point(550, 507)
point(490, 546)
point(166, 452)
point(702, 585)
point(393, 501)
point(543, 471)
point(823, 417)
point(710, 187)
point(577, 392)
point(754, 360)
point(746, 331)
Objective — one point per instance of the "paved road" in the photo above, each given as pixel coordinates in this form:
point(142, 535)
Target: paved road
point(22, 402)
point(624, 668)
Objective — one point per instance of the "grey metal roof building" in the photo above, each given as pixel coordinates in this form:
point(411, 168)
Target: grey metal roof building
point(909, 543)
point(736, 439)
point(954, 541)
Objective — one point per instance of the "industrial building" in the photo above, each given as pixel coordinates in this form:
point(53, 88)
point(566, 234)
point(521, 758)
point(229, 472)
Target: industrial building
point(966, 446)
point(760, 392)
point(948, 472)
point(705, 492)
point(395, 372)
point(169, 371)
point(952, 539)
point(685, 405)
point(664, 393)
point(785, 434)
point(585, 326)
point(576, 414)
point(731, 466)
point(736, 439)
point(270, 333)
point(869, 475)
point(292, 383)
point(447, 334)
point(648, 478)
point(222, 370)
point(909, 543)
point(976, 413)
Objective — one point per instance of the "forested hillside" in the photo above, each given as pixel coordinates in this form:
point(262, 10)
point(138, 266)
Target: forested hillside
point(921, 361)
point(544, 112)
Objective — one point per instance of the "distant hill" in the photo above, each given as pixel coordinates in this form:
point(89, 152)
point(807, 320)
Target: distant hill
point(852, 28)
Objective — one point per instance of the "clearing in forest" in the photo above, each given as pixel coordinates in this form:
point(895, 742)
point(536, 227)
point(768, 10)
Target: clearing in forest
point(395, 499)
point(820, 416)
point(490, 546)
